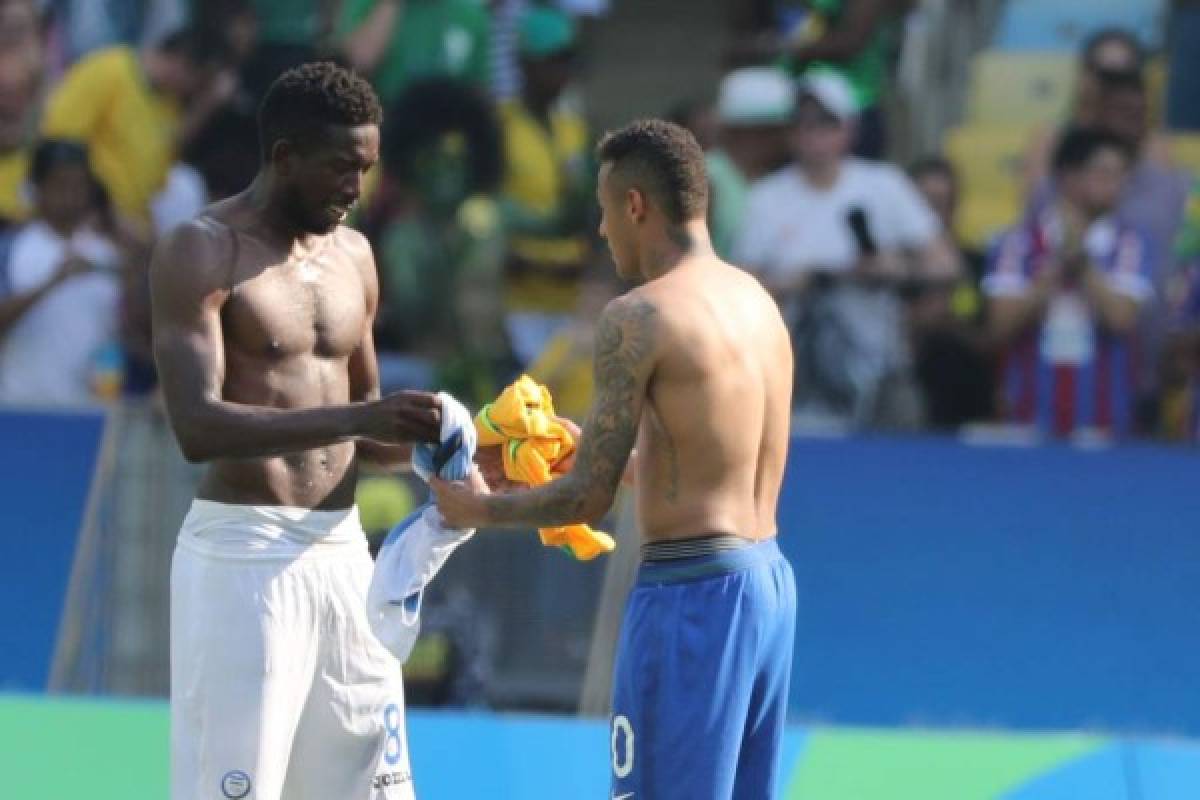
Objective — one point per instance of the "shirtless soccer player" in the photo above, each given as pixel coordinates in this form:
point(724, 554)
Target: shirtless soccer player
point(262, 334)
point(694, 364)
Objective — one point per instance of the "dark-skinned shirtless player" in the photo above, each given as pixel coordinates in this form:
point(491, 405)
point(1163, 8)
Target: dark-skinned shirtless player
point(263, 308)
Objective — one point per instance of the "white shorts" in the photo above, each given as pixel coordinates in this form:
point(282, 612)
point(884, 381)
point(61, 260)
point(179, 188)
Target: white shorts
point(279, 690)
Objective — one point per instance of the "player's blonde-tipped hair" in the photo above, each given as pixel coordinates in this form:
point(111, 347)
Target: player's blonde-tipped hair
point(665, 161)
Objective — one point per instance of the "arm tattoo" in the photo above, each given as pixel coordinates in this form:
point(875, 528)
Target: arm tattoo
point(625, 344)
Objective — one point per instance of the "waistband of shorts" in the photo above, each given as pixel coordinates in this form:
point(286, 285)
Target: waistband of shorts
point(246, 531)
point(694, 547)
point(718, 561)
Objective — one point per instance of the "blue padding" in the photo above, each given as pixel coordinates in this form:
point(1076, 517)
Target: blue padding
point(1048, 589)
point(46, 464)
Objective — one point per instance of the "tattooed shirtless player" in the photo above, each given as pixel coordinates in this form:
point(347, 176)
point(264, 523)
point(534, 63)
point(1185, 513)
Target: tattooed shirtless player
point(696, 366)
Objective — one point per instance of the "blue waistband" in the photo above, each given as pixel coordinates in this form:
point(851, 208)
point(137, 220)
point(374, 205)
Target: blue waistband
point(719, 563)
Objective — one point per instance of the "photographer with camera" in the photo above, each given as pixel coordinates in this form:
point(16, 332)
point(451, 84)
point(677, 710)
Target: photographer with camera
point(834, 238)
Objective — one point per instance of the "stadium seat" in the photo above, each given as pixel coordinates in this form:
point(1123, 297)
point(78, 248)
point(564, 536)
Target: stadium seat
point(1020, 88)
point(1157, 75)
point(988, 160)
point(1062, 25)
point(1185, 150)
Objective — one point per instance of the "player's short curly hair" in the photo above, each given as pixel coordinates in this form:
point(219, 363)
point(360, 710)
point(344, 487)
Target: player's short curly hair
point(306, 98)
point(1078, 146)
point(663, 160)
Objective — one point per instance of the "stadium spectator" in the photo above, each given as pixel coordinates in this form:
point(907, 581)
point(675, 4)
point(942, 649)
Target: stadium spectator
point(1152, 203)
point(225, 149)
point(297, 23)
point(397, 41)
point(60, 289)
point(289, 33)
point(832, 236)
point(22, 64)
point(755, 106)
point(1065, 288)
point(858, 39)
point(87, 25)
point(699, 116)
point(1156, 193)
point(136, 110)
point(548, 189)
point(953, 363)
point(565, 365)
point(1107, 53)
point(1112, 96)
point(441, 244)
point(1177, 412)
point(506, 16)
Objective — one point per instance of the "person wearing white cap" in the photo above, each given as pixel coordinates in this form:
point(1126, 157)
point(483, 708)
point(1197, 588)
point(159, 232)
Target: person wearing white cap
point(754, 109)
point(863, 227)
point(856, 39)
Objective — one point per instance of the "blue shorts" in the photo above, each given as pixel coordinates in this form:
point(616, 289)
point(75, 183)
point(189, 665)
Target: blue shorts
point(701, 677)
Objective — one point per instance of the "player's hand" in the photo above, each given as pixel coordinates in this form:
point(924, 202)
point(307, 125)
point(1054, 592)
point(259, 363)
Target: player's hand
point(406, 416)
point(567, 464)
point(564, 466)
point(490, 461)
point(461, 503)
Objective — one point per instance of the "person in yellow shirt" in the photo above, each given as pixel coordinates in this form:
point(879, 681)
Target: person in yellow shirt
point(21, 69)
point(548, 189)
point(128, 107)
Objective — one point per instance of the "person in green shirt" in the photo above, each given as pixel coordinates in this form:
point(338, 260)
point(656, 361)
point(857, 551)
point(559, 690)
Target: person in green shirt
point(398, 41)
point(857, 39)
point(441, 244)
point(287, 22)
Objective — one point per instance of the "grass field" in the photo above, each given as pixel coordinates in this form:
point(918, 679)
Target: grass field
point(107, 750)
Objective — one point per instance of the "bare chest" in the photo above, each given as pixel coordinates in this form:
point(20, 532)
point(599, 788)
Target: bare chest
point(309, 306)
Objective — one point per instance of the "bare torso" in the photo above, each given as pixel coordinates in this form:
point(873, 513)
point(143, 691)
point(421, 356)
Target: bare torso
point(290, 323)
point(713, 436)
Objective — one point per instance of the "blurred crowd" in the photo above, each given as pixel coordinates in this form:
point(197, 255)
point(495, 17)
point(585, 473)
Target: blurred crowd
point(121, 118)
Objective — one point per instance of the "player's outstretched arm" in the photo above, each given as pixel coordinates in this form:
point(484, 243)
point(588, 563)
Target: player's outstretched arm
point(189, 283)
point(626, 351)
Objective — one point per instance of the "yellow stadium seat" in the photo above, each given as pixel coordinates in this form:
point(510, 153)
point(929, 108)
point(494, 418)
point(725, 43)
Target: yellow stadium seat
point(1020, 88)
point(988, 159)
point(1156, 88)
point(1185, 151)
